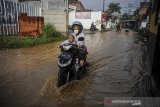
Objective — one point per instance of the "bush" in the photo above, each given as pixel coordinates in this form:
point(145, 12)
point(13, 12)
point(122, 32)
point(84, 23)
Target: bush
point(49, 30)
point(50, 34)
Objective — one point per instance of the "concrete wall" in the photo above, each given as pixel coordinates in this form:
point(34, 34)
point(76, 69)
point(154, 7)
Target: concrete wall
point(53, 12)
point(56, 5)
point(56, 18)
point(95, 17)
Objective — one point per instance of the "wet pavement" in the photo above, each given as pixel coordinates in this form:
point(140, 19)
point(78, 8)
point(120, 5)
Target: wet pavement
point(28, 75)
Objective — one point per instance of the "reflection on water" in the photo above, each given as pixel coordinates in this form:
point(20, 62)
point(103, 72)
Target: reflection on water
point(28, 76)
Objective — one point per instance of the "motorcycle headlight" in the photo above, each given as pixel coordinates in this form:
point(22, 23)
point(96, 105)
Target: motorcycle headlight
point(66, 64)
point(66, 47)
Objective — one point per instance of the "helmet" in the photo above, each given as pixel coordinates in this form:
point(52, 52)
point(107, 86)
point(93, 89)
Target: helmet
point(79, 24)
point(73, 35)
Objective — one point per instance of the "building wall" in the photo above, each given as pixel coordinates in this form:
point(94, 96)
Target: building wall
point(95, 17)
point(53, 12)
point(156, 60)
point(54, 5)
point(153, 28)
point(153, 42)
point(152, 37)
point(58, 19)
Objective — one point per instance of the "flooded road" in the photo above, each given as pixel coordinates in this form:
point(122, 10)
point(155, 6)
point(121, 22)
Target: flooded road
point(28, 76)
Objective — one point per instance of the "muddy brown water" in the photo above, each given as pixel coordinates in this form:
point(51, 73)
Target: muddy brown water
point(28, 75)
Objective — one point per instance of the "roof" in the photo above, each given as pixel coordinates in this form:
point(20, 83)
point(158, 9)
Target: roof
point(145, 4)
point(77, 4)
point(88, 10)
point(143, 11)
point(72, 1)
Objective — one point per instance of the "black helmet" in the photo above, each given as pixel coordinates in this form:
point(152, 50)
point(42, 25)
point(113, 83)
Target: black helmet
point(79, 24)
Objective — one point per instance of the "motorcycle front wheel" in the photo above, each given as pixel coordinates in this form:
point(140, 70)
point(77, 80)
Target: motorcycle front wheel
point(62, 77)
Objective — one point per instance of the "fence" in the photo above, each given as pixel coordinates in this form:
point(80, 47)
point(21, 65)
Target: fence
point(30, 25)
point(9, 12)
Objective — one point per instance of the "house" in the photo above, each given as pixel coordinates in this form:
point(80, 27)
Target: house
point(86, 18)
point(112, 19)
point(78, 4)
point(143, 10)
point(77, 12)
point(143, 14)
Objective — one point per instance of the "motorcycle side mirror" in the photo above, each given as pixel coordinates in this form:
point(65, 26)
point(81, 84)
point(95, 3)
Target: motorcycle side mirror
point(81, 39)
point(69, 26)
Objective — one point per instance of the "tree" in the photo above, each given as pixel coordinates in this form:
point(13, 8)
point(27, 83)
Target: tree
point(114, 7)
point(127, 16)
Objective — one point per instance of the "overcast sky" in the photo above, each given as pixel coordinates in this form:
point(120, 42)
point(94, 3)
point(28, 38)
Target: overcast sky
point(98, 4)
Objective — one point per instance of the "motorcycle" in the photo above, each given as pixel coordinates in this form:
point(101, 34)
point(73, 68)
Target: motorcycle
point(69, 64)
point(127, 30)
point(70, 30)
point(118, 28)
point(93, 28)
point(103, 28)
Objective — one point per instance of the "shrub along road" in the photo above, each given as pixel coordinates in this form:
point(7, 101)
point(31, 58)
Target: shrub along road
point(50, 34)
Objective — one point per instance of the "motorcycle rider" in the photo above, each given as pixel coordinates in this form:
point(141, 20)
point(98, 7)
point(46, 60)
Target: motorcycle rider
point(93, 27)
point(71, 39)
point(127, 27)
point(77, 29)
point(118, 27)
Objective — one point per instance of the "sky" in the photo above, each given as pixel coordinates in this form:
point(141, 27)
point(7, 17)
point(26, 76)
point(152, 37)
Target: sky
point(97, 5)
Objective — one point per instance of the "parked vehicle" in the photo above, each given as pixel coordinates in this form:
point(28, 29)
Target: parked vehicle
point(69, 64)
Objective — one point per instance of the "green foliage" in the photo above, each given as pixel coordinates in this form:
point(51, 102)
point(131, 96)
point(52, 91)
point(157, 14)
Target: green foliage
point(50, 34)
point(49, 30)
point(114, 7)
point(126, 16)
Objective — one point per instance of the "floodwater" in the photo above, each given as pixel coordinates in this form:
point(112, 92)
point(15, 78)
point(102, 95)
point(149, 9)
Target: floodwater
point(28, 76)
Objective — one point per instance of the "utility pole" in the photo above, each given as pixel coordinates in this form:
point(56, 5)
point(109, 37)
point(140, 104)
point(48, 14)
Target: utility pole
point(103, 4)
point(129, 7)
point(67, 14)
